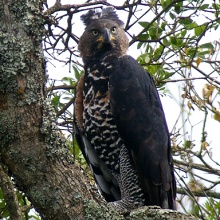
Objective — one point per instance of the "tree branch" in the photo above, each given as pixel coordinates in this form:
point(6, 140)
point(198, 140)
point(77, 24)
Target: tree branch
point(61, 87)
point(10, 196)
point(198, 167)
point(199, 193)
point(153, 20)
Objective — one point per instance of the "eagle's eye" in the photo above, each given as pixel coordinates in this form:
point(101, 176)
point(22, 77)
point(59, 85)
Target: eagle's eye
point(114, 30)
point(95, 32)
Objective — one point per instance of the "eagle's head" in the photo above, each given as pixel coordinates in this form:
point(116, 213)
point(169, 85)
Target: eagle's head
point(103, 35)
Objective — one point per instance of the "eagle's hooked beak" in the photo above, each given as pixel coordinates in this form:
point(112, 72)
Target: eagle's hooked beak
point(105, 40)
point(107, 36)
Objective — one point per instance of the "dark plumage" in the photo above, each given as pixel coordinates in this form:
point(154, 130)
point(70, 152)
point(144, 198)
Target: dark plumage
point(120, 124)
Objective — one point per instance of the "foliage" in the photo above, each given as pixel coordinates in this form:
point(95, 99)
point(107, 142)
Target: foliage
point(213, 207)
point(176, 45)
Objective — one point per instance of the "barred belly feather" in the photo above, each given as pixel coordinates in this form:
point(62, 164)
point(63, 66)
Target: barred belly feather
point(101, 130)
point(100, 127)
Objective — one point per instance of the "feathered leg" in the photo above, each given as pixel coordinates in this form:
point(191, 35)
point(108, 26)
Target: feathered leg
point(131, 192)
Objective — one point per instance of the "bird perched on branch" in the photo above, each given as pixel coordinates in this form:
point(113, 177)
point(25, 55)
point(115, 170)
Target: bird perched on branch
point(119, 120)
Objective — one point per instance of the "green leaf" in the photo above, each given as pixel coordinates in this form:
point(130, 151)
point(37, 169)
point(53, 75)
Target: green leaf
point(143, 37)
point(143, 23)
point(2, 204)
point(172, 16)
point(77, 72)
point(163, 25)
point(68, 80)
point(147, 58)
point(158, 52)
point(199, 30)
point(166, 42)
point(178, 7)
point(187, 143)
point(164, 3)
point(155, 32)
point(144, 58)
point(56, 100)
point(204, 6)
point(139, 45)
point(191, 51)
point(207, 45)
point(196, 209)
point(202, 53)
point(183, 33)
point(216, 26)
point(185, 21)
point(173, 40)
point(216, 6)
point(191, 25)
point(149, 49)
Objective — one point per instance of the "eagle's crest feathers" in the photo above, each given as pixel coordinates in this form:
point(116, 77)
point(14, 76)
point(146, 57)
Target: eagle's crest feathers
point(106, 13)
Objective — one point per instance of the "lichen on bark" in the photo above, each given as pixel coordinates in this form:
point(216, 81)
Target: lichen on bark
point(20, 83)
point(100, 211)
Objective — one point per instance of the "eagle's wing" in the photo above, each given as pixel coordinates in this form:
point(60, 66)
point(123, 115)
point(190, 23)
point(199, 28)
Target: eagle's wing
point(141, 122)
point(106, 182)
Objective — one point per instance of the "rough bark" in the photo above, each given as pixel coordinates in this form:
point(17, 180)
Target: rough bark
point(10, 195)
point(31, 146)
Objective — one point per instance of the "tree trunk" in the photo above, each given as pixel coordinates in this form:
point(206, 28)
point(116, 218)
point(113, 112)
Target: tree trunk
point(31, 146)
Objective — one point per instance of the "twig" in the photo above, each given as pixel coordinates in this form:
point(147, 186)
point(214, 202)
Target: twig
point(154, 19)
point(201, 167)
point(61, 87)
point(66, 107)
point(200, 193)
